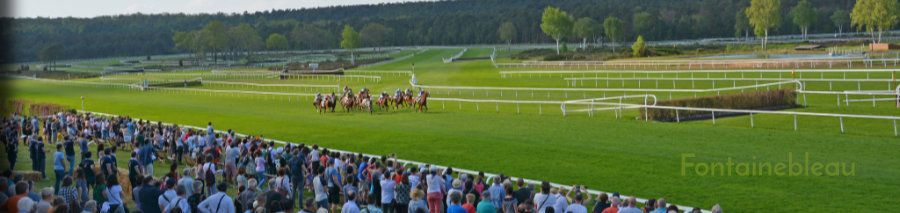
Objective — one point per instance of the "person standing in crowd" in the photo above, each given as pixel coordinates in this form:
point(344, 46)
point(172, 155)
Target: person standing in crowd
point(149, 196)
point(497, 193)
point(114, 195)
point(187, 180)
point(454, 207)
point(197, 197)
point(321, 196)
point(417, 204)
point(41, 158)
point(577, 205)
point(246, 197)
point(70, 154)
point(509, 201)
point(470, 203)
point(69, 193)
point(660, 206)
point(543, 200)
point(350, 206)
point(147, 155)
point(180, 202)
point(59, 167)
point(435, 191)
point(387, 192)
point(401, 194)
point(87, 168)
point(12, 203)
point(260, 169)
point(601, 203)
point(169, 195)
point(525, 192)
point(43, 205)
point(630, 206)
point(486, 205)
point(218, 202)
point(135, 172)
point(297, 164)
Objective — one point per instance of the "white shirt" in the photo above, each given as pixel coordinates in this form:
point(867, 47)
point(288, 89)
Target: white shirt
point(188, 184)
point(350, 207)
point(544, 199)
point(576, 208)
point(434, 183)
point(319, 189)
point(166, 197)
point(181, 203)
point(115, 194)
point(561, 203)
point(387, 190)
point(284, 183)
point(217, 203)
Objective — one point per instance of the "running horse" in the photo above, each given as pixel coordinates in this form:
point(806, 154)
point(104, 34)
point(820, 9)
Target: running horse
point(408, 98)
point(422, 102)
point(397, 100)
point(328, 103)
point(364, 100)
point(383, 101)
point(318, 104)
point(348, 101)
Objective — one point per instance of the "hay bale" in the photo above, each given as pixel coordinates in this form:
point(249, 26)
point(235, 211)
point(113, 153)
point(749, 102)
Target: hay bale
point(125, 183)
point(29, 175)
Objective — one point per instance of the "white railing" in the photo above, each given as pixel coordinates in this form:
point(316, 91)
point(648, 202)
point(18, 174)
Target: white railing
point(457, 56)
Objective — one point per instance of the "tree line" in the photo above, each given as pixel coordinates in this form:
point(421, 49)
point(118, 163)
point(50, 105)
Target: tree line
point(416, 23)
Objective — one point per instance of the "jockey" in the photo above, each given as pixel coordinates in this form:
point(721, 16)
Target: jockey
point(421, 92)
point(318, 96)
point(398, 92)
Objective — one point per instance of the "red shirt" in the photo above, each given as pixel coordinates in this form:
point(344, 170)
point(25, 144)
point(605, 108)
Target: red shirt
point(12, 205)
point(611, 209)
point(469, 207)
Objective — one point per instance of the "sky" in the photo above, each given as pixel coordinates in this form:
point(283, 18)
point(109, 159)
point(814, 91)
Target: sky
point(92, 8)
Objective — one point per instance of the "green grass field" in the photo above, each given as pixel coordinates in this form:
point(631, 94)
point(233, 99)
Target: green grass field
point(604, 153)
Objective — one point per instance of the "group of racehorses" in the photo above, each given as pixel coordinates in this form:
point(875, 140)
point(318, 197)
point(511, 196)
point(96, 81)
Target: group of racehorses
point(362, 101)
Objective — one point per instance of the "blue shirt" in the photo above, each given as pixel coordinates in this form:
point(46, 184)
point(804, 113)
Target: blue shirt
point(58, 161)
point(84, 145)
point(497, 194)
point(456, 208)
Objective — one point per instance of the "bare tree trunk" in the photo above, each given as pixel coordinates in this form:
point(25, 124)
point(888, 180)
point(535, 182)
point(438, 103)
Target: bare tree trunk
point(557, 46)
point(584, 44)
point(879, 35)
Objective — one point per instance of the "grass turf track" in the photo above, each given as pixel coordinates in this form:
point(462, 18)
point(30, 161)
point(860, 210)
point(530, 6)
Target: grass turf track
point(631, 157)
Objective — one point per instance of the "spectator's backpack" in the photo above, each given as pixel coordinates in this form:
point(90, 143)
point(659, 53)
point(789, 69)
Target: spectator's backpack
point(210, 175)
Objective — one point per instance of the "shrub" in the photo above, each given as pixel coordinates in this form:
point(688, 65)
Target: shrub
point(765, 100)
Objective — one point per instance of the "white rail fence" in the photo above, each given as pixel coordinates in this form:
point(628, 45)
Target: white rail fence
point(705, 64)
point(613, 103)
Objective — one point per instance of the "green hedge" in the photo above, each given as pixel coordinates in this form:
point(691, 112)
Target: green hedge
point(766, 100)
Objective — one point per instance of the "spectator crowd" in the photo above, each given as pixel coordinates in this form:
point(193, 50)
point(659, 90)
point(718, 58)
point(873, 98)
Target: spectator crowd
point(212, 171)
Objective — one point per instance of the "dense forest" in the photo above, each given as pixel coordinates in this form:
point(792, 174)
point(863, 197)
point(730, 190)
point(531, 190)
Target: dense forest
point(419, 23)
